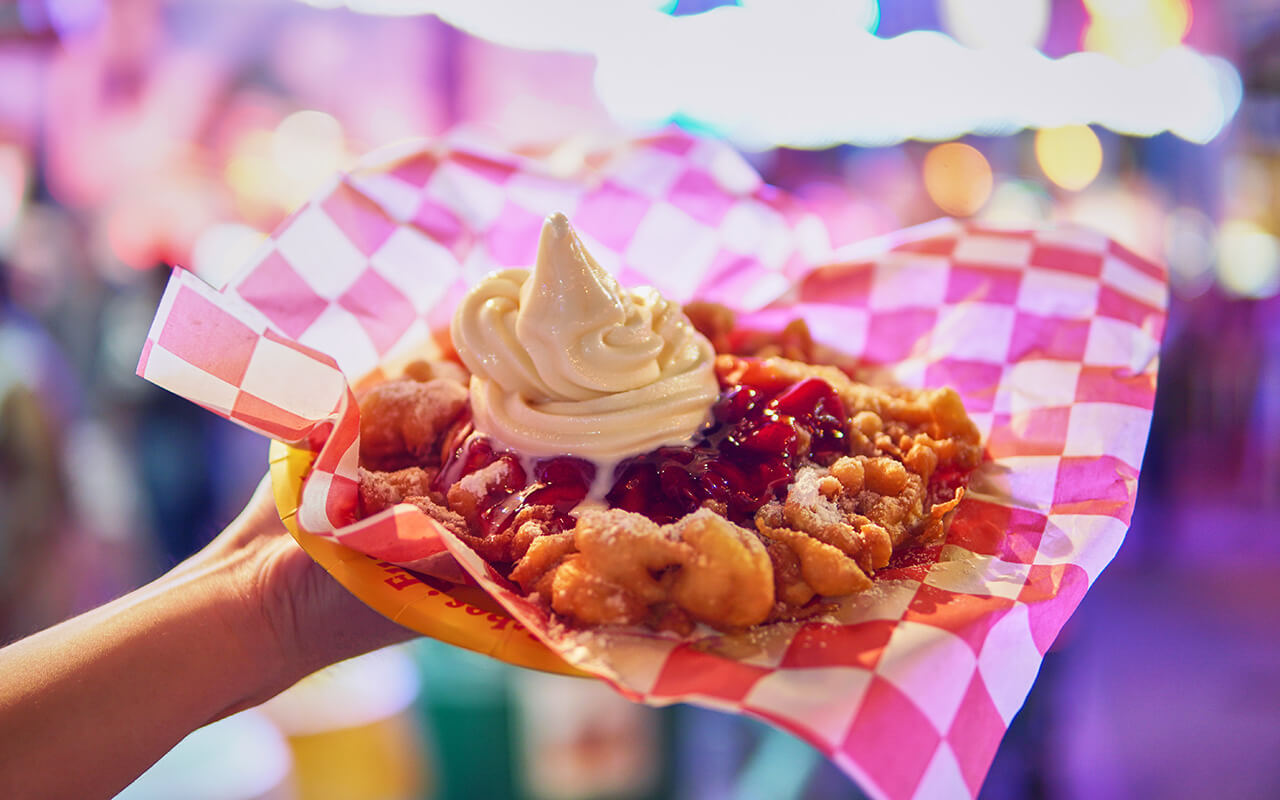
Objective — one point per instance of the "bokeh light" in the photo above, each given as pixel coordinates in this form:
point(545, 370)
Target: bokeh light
point(250, 173)
point(308, 145)
point(271, 171)
point(1248, 259)
point(957, 178)
point(1189, 245)
point(1070, 156)
point(1017, 203)
point(1135, 30)
point(307, 148)
point(983, 24)
point(222, 249)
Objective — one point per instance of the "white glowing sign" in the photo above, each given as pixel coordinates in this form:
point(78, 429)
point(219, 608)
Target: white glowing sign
point(810, 73)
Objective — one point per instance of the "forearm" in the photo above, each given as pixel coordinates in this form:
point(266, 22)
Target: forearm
point(88, 705)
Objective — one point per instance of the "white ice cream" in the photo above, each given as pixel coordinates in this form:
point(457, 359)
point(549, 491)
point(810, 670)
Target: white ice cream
point(566, 361)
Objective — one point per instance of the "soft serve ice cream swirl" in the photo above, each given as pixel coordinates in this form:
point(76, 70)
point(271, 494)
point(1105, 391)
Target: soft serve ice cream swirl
point(566, 361)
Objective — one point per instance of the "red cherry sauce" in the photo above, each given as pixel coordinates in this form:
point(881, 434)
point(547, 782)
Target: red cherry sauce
point(561, 482)
point(745, 458)
point(761, 427)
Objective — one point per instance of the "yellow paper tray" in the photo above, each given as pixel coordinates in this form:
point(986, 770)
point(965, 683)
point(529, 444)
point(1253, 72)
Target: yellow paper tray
point(464, 616)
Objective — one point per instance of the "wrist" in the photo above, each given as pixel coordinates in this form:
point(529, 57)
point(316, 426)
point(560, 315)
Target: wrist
point(214, 603)
point(285, 616)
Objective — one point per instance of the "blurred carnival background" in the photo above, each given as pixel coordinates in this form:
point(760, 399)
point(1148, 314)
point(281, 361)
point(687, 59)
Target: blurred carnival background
point(140, 133)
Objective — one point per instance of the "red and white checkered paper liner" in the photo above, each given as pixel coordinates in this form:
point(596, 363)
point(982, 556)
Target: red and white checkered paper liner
point(1051, 337)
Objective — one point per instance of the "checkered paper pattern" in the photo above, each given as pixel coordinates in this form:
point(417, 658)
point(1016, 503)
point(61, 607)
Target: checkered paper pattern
point(1051, 337)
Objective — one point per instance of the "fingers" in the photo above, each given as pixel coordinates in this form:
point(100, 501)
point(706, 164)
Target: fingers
point(331, 624)
point(316, 622)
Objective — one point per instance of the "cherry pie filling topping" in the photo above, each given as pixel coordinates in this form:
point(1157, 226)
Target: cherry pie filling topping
point(763, 427)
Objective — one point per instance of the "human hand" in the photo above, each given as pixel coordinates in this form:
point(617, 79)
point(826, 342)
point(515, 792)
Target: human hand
point(291, 616)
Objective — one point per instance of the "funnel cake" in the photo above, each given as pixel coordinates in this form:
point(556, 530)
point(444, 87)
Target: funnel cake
point(748, 524)
point(790, 485)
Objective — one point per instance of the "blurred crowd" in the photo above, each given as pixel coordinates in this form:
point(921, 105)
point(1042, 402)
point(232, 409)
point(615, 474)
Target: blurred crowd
point(139, 134)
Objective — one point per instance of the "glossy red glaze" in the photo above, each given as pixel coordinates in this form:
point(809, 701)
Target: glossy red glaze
point(761, 428)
